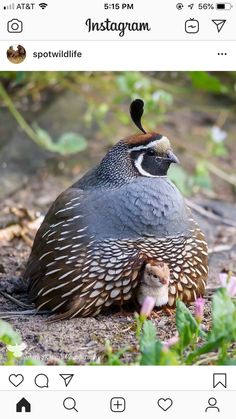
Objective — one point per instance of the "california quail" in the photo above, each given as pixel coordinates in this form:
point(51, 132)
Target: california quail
point(154, 283)
point(99, 233)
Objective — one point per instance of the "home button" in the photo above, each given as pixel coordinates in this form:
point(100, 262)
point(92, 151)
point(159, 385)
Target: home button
point(23, 406)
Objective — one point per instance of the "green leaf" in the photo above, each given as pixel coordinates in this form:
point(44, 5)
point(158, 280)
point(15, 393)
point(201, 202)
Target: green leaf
point(149, 334)
point(208, 347)
point(152, 351)
point(187, 325)
point(229, 362)
point(8, 336)
point(202, 177)
point(184, 316)
point(70, 143)
point(149, 346)
point(204, 81)
point(219, 150)
point(151, 354)
point(169, 357)
point(223, 316)
point(20, 77)
point(44, 139)
point(32, 362)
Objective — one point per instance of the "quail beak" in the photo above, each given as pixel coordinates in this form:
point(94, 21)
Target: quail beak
point(172, 157)
point(163, 281)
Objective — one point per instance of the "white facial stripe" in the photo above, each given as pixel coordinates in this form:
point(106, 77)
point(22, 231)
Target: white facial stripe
point(138, 165)
point(152, 144)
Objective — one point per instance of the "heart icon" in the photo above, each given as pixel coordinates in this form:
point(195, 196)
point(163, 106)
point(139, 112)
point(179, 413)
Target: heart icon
point(165, 404)
point(16, 379)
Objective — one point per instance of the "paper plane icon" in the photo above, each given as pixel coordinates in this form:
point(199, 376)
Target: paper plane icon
point(67, 378)
point(219, 23)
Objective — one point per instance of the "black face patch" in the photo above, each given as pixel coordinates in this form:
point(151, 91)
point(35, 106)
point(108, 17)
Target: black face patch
point(154, 165)
point(135, 154)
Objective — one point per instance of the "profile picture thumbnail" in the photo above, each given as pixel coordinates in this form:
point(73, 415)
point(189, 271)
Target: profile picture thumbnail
point(16, 55)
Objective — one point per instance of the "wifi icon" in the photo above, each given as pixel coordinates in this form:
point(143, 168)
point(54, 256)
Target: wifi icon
point(43, 5)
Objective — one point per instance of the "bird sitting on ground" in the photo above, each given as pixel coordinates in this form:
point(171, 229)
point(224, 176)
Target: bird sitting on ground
point(155, 283)
point(99, 233)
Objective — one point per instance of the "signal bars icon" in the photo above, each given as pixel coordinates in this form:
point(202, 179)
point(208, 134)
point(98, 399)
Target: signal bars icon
point(43, 5)
point(9, 7)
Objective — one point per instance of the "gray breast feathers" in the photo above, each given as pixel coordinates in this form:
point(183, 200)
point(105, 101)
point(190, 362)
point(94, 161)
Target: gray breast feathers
point(145, 207)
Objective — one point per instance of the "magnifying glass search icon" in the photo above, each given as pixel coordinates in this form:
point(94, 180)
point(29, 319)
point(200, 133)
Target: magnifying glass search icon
point(70, 404)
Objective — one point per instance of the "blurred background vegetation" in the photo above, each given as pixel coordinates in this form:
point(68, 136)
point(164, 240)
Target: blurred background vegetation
point(56, 125)
point(196, 110)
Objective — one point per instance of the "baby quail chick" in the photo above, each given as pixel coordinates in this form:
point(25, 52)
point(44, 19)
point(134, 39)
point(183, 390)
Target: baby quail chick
point(155, 283)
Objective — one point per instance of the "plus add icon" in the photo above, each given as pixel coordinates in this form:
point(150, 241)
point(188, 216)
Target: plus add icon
point(117, 404)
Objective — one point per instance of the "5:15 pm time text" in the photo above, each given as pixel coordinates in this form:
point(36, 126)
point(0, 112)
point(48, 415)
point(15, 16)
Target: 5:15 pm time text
point(118, 6)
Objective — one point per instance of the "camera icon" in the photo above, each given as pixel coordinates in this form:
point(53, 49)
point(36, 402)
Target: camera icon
point(15, 26)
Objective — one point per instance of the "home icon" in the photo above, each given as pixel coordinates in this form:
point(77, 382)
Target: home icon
point(23, 406)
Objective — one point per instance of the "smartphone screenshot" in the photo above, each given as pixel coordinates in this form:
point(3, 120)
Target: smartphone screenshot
point(117, 209)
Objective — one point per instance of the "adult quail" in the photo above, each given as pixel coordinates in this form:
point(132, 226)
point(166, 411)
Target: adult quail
point(154, 283)
point(100, 232)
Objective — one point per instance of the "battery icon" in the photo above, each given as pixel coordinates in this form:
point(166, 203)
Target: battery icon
point(224, 6)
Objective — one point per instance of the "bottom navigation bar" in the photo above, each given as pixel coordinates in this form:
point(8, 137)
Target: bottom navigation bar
point(129, 404)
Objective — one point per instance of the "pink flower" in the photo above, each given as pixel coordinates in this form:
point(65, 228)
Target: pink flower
point(147, 306)
point(199, 309)
point(232, 286)
point(229, 282)
point(223, 279)
point(170, 342)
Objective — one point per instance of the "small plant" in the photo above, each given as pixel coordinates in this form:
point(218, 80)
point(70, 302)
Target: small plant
point(10, 339)
point(66, 144)
point(192, 345)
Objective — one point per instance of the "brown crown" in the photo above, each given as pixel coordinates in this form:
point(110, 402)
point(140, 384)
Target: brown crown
point(162, 143)
point(141, 139)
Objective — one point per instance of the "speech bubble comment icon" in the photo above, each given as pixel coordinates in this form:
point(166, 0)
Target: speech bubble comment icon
point(41, 381)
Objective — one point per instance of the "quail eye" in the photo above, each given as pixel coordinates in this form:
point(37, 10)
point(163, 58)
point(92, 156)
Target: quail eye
point(151, 152)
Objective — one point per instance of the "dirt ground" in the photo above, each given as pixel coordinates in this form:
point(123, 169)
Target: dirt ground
point(28, 187)
point(79, 339)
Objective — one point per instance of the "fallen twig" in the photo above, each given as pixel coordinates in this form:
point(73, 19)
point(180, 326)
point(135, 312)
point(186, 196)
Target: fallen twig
point(14, 300)
point(9, 233)
point(208, 214)
point(207, 360)
point(230, 178)
point(212, 166)
point(8, 314)
point(220, 248)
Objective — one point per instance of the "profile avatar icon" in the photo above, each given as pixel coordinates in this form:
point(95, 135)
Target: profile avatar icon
point(212, 405)
point(16, 56)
